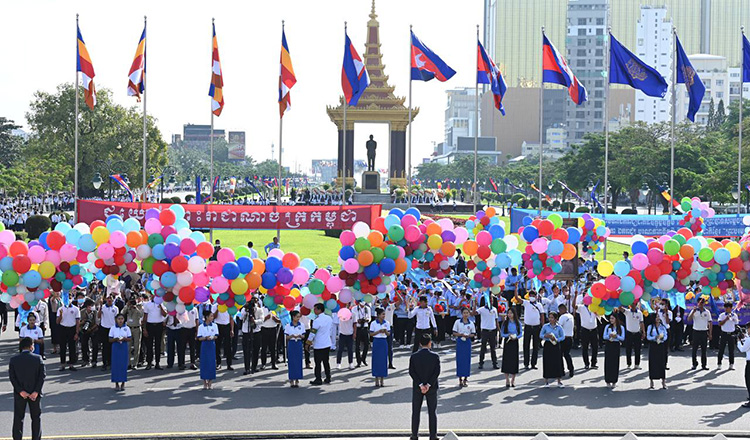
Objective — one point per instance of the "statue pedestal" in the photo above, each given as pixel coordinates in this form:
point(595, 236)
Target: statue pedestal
point(370, 182)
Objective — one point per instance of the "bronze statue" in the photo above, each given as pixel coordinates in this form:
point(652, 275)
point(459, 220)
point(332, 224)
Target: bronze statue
point(371, 147)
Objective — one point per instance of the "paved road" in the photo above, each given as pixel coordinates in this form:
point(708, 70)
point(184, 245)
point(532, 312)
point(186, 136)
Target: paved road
point(84, 403)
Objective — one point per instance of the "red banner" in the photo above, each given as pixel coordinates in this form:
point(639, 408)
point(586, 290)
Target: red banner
point(240, 216)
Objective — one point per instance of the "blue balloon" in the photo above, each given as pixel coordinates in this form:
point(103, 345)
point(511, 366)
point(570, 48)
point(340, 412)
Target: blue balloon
point(627, 284)
point(173, 238)
point(308, 264)
point(639, 247)
point(497, 231)
point(268, 280)
point(397, 212)
point(6, 264)
point(530, 233)
point(158, 252)
point(168, 279)
point(73, 236)
point(527, 220)
point(114, 223)
point(198, 237)
point(273, 264)
point(415, 212)
point(372, 271)
point(722, 256)
point(131, 225)
point(43, 239)
point(230, 270)
point(391, 220)
point(245, 264)
point(347, 252)
point(112, 217)
point(63, 227)
point(574, 235)
point(555, 247)
point(86, 243)
point(387, 266)
point(622, 268)
point(502, 261)
point(32, 279)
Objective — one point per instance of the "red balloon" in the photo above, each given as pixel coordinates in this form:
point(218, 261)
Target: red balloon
point(21, 264)
point(179, 264)
point(652, 273)
point(160, 267)
point(187, 295)
point(55, 240)
point(546, 227)
point(167, 217)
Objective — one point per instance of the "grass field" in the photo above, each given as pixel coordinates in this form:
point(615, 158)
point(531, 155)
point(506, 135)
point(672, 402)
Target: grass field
point(324, 250)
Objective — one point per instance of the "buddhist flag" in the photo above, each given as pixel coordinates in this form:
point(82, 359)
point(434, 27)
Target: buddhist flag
point(217, 80)
point(287, 80)
point(86, 68)
point(137, 74)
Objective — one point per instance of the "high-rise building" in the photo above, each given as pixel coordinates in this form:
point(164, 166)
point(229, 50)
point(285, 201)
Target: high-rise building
point(734, 87)
point(713, 72)
point(193, 134)
point(460, 115)
point(655, 46)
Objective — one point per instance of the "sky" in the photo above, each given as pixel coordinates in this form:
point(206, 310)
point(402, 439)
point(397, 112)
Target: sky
point(40, 54)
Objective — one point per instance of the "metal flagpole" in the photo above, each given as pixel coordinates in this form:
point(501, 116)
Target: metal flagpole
point(408, 170)
point(674, 116)
point(281, 148)
point(541, 130)
point(606, 129)
point(145, 193)
point(343, 157)
point(476, 137)
point(75, 137)
point(739, 146)
point(211, 141)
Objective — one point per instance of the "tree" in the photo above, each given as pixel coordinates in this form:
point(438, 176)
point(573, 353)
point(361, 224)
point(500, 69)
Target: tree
point(721, 116)
point(711, 122)
point(10, 144)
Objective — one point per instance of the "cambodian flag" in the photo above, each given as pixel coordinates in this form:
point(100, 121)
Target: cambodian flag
point(121, 181)
point(488, 73)
point(556, 71)
point(354, 77)
point(425, 64)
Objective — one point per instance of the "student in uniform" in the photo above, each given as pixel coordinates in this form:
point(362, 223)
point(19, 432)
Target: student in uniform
point(532, 319)
point(186, 339)
point(614, 335)
point(69, 321)
point(657, 334)
point(728, 321)
point(173, 326)
point(464, 332)
point(362, 316)
point(294, 332)
point(566, 321)
point(425, 321)
point(119, 337)
point(106, 315)
point(153, 328)
point(589, 334)
point(346, 340)
point(226, 332)
point(320, 339)
point(488, 325)
point(33, 331)
point(207, 334)
point(510, 331)
point(247, 317)
point(268, 334)
point(701, 318)
point(634, 334)
point(552, 363)
point(379, 331)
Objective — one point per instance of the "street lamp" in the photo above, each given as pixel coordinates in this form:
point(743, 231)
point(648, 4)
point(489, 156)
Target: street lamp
point(161, 173)
point(109, 167)
point(644, 191)
point(735, 192)
point(97, 181)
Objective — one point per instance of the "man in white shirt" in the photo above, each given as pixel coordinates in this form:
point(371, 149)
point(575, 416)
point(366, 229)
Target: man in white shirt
point(153, 328)
point(320, 338)
point(186, 337)
point(106, 316)
point(268, 338)
point(346, 341)
point(253, 252)
point(425, 321)
point(390, 310)
point(566, 321)
point(488, 323)
point(728, 321)
point(634, 333)
point(69, 320)
point(532, 320)
point(702, 326)
point(226, 333)
point(589, 334)
point(362, 316)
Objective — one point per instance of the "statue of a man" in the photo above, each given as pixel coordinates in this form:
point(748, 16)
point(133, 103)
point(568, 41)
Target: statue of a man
point(371, 147)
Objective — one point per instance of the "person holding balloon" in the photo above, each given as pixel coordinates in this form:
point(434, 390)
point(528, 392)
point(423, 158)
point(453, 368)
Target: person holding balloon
point(207, 334)
point(119, 337)
point(552, 361)
point(380, 329)
point(464, 332)
point(658, 335)
point(294, 333)
point(614, 335)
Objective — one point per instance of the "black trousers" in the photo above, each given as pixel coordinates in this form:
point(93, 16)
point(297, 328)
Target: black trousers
point(416, 408)
point(68, 344)
point(675, 338)
point(153, 342)
point(345, 342)
point(727, 339)
point(589, 339)
point(224, 341)
point(257, 344)
point(85, 338)
point(19, 412)
point(418, 334)
point(268, 335)
point(101, 339)
point(489, 337)
point(747, 379)
point(399, 330)
point(322, 357)
point(186, 340)
point(247, 350)
point(440, 321)
point(633, 343)
point(565, 347)
point(700, 339)
point(531, 333)
point(362, 344)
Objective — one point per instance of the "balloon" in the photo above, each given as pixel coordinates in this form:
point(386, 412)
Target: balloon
point(605, 268)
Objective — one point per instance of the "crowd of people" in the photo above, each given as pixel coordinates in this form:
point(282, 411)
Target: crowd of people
point(14, 211)
point(121, 321)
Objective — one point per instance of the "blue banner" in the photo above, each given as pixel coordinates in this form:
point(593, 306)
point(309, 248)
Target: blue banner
point(646, 225)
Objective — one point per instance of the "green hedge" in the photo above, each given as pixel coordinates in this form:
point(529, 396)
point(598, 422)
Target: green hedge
point(36, 224)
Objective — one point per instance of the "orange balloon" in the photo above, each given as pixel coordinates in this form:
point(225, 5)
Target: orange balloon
point(470, 247)
point(134, 239)
point(714, 245)
point(490, 211)
point(204, 250)
point(376, 238)
point(569, 252)
point(687, 252)
point(253, 280)
point(259, 266)
point(433, 228)
point(144, 236)
point(365, 258)
point(401, 265)
point(448, 249)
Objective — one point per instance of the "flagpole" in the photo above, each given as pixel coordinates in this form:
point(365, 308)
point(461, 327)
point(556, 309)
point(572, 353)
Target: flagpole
point(408, 171)
point(75, 137)
point(476, 137)
point(606, 129)
point(541, 130)
point(343, 157)
point(211, 140)
point(674, 114)
point(145, 135)
point(739, 147)
point(281, 148)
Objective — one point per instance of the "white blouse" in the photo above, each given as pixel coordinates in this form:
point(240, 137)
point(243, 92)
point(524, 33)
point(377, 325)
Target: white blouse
point(294, 330)
point(120, 332)
point(375, 326)
point(205, 331)
point(464, 329)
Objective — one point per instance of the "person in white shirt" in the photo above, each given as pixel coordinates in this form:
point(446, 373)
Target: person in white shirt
point(295, 333)
point(173, 326)
point(346, 329)
point(702, 326)
point(589, 333)
point(464, 332)
point(635, 332)
point(744, 347)
point(566, 321)
point(33, 331)
point(186, 337)
point(69, 322)
point(247, 317)
point(425, 321)
point(226, 333)
point(488, 326)
point(119, 336)
point(379, 331)
point(532, 323)
point(320, 338)
point(728, 321)
point(390, 310)
point(207, 334)
point(362, 316)
point(268, 334)
point(42, 312)
point(106, 316)
point(153, 328)
point(253, 252)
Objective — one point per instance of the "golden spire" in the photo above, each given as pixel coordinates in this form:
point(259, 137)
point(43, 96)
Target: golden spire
point(373, 15)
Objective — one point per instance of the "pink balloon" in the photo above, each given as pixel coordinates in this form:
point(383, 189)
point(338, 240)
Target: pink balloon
point(446, 224)
point(152, 226)
point(200, 279)
point(639, 261)
point(187, 246)
point(539, 245)
point(300, 275)
point(3, 251)
point(637, 292)
point(655, 256)
point(322, 274)
point(408, 220)
point(54, 257)
point(411, 233)
point(105, 251)
point(351, 265)
point(484, 238)
point(219, 285)
point(334, 284)
point(213, 269)
point(309, 300)
point(7, 237)
point(117, 239)
point(461, 235)
point(36, 254)
point(587, 300)
point(225, 255)
point(347, 238)
point(612, 282)
point(68, 252)
point(345, 314)
point(278, 253)
point(345, 296)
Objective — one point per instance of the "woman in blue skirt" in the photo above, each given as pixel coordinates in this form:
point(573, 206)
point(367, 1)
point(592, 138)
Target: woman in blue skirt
point(511, 332)
point(207, 334)
point(464, 332)
point(379, 331)
point(295, 333)
point(119, 336)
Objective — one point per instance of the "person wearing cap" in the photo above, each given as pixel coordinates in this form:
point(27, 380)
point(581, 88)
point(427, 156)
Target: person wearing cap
point(701, 318)
point(728, 321)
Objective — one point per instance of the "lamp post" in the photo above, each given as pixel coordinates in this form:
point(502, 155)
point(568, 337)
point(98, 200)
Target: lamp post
point(109, 167)
point(161, 173)
point(644, 191)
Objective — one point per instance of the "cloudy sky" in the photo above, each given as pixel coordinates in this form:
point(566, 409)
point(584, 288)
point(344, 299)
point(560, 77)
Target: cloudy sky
point(40, 46)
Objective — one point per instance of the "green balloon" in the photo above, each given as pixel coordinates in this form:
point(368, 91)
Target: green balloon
point(626, 298)
point(148, 264)
point(2, 227)
point(396, 233)
point(362, 244)
point(242, 251)
point(155, 239)
point(498, 246)
point(316, 286)
point(391, 251)
point(671, 247)
point(705, 254)
point(268, 302)
point(377, 254)
point(556, 220)
point(680, 239)
point(10, 278)
point(418, 253)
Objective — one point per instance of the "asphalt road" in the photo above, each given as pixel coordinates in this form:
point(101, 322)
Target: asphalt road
point(83, 403)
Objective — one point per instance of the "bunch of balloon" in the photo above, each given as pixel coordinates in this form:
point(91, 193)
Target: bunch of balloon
point(325, 288)
point(279, 278)
point(594, 233)
point(696, 212)
point(622, 286)
point(742, 279)
point(548, 244)
point(490, 252)
point(22, 282)
point(441, 240)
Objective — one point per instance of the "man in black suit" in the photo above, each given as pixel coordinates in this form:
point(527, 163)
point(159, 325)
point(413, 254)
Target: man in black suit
point(27, 376)
point(424, 369)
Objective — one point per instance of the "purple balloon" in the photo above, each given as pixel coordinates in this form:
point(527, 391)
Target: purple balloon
point(152, 213)
point(201, 294)
point(448, 236)
point(284, 275)
point(171, 250)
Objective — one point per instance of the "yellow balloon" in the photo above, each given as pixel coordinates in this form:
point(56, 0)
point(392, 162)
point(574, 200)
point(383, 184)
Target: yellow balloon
point(262, 289)
point(294, 292)
point(434, 241)
point(239, 286)
point(581, 222)
point(100, 234)
point(605, 268)
point(46, 269)
point(596, 301)
point(734, 249)
point(222, 308)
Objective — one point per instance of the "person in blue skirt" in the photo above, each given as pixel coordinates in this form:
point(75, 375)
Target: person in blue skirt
point(379, 331)
point(34, 332)
point(295, 333)
point(207, 334)
point(119, 336)
point(511, 331)
point(464, 331)
point(614, 335)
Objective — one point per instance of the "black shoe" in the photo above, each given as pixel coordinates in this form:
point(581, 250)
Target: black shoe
point(193, 367)
point(62, 368)
point(253, 371)
point(93, 365)
point(181, 367)
point(695, 367)
point(327, 381)
point(148, 367)
point(481, 366)
point(746, 404)
point(246, 372)
point(495, 366)
point(229, 367)
point(391, 367)
point(365, 363)
point(570, 374)
point(169, 367)
point(533, 367)
point(72, 368)
point(316, 382)
point(104, 368)
point(595, 367)
point(704, 368)
point(586, 367)
point(158, 367)
point(274, 367)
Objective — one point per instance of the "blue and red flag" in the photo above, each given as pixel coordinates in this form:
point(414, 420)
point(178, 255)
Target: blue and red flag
point(556, 71)
point(120, 181)
point(488, 73)
point(425, 64)
point(354, 77)
point(215, 185)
